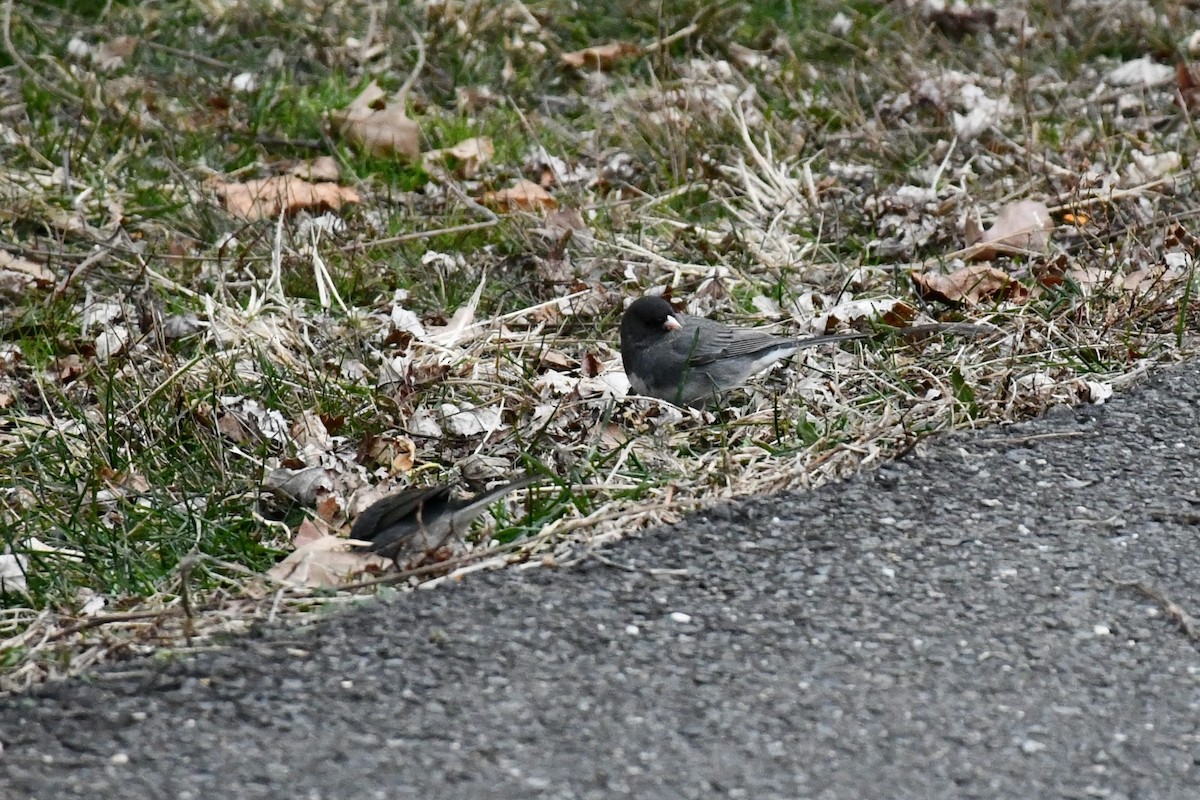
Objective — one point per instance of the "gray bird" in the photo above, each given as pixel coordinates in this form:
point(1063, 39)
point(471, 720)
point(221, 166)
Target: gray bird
point(420, 519)
point(691, 360)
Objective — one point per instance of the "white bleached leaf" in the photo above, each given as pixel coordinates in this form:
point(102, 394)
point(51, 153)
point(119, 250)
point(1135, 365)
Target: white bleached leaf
point(244, 82)
point(12, 573)
point(1098, 392)
point(422, 423)
point(983, 112)
point(468, 420)
point(110, 342)
point(1142, 71)
point(407, 321)
point(1152, 166)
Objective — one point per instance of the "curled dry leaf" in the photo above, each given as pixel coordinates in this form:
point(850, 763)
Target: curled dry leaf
point(470, 156)
point(1020, 226)
point(602, 56)
point(971, 285)
point(379, 126)
point(267, 197)
point(397, 453)
point(521, 196)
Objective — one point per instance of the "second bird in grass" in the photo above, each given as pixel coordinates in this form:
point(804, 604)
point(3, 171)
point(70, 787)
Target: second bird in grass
point(421, 519)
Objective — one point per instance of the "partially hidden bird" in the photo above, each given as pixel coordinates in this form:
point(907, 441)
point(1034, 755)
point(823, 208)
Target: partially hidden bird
point(421, 519)
point(691, 361)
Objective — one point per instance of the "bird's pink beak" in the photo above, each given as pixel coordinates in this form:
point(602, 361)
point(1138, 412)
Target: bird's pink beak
point(671, 324)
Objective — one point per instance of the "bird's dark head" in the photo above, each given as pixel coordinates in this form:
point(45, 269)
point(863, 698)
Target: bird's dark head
point(647, 318)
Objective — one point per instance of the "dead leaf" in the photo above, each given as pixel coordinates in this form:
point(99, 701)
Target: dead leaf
point(321, 559)
point(379, 126)
point(70, 368)
point(971, 285)
point(592, 365)
point(475, 98)
point(124, 482)
point(470, 155)
point(322, 168)
point(522, 196)
point(397, 453)
point(1187, 79)
point(302, 486)
point(233, 428)
point(12, 573)
point(20, 275)
point(557, 360)
point(603, 56)
point(1021, 226)
point(266, 198)
point(112, 54)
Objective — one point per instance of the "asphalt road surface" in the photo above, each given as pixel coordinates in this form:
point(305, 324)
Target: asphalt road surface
point(1002, 615)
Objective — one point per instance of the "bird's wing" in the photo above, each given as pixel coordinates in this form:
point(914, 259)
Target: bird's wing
point(395, 509)
point(704, 341)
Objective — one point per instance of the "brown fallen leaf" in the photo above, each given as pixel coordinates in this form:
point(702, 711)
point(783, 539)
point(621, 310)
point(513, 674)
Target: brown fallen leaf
point(602, 56)
point(380, 126)
point(1187, 80)
point(265, 198)
point(1020, 226)
point(521, 196)
point(971, 285)
point(470, 156)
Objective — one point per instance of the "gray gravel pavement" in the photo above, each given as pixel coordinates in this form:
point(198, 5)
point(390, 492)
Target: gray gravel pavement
point(993, 616)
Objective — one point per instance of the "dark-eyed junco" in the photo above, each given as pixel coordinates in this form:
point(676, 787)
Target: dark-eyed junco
point(420, 519)
point(690, 360)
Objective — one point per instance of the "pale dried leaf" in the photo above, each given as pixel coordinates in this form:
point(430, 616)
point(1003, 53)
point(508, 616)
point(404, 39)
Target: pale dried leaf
point(12, 573)
point(325, 561)
point(19, 275)
point(469, 420)
point(1142, 71)
point(322, 168)
point(112, 54)
point(470, 155)
point(602, 56)
point(523, 195)
point(266, 198)
point(379, 128)
point(1023, 225)
point(888, 310)
point(464, 317)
